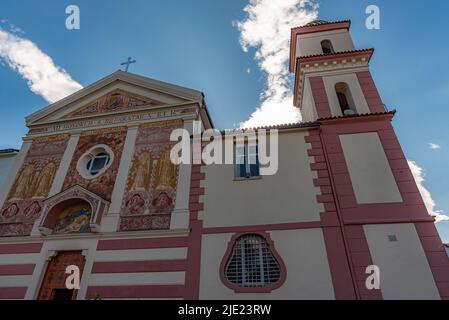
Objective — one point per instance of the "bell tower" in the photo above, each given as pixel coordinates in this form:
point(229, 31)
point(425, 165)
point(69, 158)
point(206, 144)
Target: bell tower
point(332, 77)
point(373, 211)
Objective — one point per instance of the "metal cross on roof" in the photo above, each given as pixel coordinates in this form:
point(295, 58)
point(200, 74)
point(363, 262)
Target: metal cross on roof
point(127, 63)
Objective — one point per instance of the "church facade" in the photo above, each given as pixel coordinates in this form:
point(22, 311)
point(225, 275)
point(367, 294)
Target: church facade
point(94, 187)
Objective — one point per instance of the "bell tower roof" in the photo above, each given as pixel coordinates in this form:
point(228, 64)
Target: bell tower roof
point(316, 26)
point(316, 23)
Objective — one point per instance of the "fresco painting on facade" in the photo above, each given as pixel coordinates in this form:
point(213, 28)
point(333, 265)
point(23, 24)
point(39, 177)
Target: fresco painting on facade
point(151, 187)
point(117, 100)
point(32, 185)
point(74, 219)
point(103, 185)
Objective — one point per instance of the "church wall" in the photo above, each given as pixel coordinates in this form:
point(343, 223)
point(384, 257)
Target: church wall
point(286, 197)
point(103, 186)
point(150, 191)
point(404, 269)
point(370, 172)
point(32, 184)
point(306, 266)
point(140, 268)
point(9, 180)
point(17, 265)
point(358, 217)
point(49, 250)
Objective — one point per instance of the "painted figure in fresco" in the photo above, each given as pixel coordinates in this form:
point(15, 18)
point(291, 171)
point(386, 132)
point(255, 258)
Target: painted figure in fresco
point(163, 202)
point(45, 181)
point(75, 219)
point(23, 187)
point(136, 102)
point(33, 211)
point(114, 101)
point(10, 212)
point(142, 172)
point(166, 172)
point(135, 204)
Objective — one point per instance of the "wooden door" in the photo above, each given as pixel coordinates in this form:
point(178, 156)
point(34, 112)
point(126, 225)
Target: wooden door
point(53, 285)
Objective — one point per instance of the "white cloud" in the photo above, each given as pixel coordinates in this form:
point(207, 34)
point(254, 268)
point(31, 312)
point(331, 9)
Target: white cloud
point(434, 146)
point(16, 29)
point(419, 175)
point(267, 28)
point(44, 77)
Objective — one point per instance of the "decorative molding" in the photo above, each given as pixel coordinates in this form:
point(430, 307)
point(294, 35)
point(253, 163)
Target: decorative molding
point(98, 206)
point(97, 132)
point(114, 120)
point(332, 63)
point(46, 139)
point(50, 255)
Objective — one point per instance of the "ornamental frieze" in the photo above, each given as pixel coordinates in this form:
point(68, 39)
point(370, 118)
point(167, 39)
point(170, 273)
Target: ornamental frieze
point(112, 120)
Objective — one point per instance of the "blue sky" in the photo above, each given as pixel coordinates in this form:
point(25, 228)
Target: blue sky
point(194, 43)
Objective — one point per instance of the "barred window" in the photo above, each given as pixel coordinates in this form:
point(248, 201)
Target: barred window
point(252, 263)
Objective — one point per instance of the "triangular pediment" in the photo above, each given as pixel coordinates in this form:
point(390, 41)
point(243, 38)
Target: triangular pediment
point(119, 92)
point(115, 101)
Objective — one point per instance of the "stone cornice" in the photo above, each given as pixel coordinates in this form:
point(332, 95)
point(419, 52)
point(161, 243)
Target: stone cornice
point(328, 63)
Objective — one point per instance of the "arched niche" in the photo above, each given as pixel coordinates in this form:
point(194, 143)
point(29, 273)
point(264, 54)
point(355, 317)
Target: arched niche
point(75, 210)
point(70, 216)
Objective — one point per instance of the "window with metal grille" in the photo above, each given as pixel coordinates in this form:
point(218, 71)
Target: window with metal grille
point(252, 263)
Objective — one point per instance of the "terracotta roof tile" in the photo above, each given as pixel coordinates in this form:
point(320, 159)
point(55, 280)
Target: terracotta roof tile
point(320, 23)
point(393, 112)
point(336, 54)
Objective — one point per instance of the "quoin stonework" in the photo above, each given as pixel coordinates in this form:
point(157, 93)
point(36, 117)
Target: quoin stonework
point(93, 186)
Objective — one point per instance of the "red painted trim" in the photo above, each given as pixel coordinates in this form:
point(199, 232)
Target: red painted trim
point(193, 271)
point(13, 292)
point(320, 98)
point(370, 92)
point(388, 221)
point(265, 227)
point(436, 256)
point(135, 292)
point(150, 243)
point(20, 248)
point(311, 29)
point(266, 289)
point(16, 269)
point(340, 264)
point(139, 266)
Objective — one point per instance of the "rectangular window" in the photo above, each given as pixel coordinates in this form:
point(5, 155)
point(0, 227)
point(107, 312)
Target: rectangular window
point(247, 161)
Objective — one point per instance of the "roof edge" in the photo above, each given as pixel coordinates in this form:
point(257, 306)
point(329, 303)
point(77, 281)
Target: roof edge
point(322, 27)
